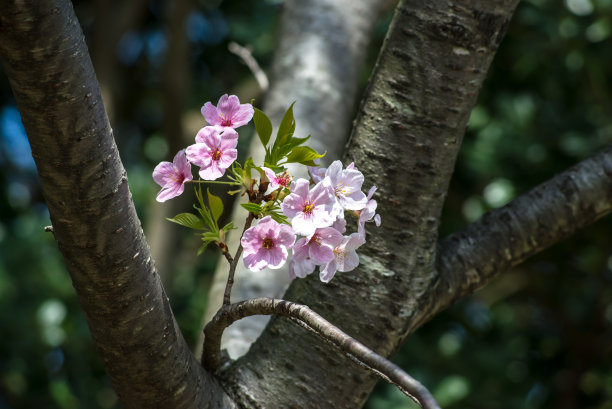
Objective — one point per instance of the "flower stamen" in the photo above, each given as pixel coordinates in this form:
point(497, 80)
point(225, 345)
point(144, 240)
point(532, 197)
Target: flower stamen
point(268, 243)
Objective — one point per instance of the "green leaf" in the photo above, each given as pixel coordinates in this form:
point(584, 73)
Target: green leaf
point(297, 142)
point(205, 213)
point(303, 154)
point(286, 129)
point(248, 165)
point(216, 205)
point(251, 207)
point(188, 220)
point(228, 227)
point(210, 236)
point(263, 126)
point(198, 193)
point(279, 218)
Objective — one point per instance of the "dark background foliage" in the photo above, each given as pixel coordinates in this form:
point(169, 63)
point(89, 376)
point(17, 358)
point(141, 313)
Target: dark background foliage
point(540, 336)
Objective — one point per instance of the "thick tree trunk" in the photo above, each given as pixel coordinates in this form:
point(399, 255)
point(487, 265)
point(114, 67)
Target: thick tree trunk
point(406, 138)
point(93, 216)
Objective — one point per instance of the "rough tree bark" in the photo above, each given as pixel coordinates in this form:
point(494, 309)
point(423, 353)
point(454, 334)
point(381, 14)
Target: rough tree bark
point(94, 220)
point(406, 139)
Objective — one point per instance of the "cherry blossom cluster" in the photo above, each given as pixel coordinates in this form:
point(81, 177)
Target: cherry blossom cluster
point(214, 150)
point(317, 213)
point(305, 216)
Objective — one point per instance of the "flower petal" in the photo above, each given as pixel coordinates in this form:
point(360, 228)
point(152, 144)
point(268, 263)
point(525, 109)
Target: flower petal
point(164, 173)
point(210, 114)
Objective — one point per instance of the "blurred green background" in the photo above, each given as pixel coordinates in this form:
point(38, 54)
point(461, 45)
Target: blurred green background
point(538, 337)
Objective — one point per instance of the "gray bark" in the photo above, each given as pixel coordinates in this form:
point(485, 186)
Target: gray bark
point(405, 141)
point(321, 51)
point(469, 259)
point(94, 220)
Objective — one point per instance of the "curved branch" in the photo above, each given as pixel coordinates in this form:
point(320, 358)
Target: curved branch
point(269, 306)
point(94, 219)
point(503, 238)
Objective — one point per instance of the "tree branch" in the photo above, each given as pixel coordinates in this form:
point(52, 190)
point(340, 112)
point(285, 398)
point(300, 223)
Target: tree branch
point(247, 57)
point(94, 219)
point(503, 238)
point(234, 262)
point(267, 306)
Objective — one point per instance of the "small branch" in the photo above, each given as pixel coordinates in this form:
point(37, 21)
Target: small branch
point(228, 314)
point(234, 263)
point(246, 55)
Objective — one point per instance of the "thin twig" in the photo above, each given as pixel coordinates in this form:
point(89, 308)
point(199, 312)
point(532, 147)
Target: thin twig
point(234, 263)
point(211, 358)
point(246, 55)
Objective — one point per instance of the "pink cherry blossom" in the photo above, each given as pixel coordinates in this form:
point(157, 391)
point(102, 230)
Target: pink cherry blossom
point(229, 112)
point(277, 180)
point(267, 244)
point(317, 173)
point(310, 209)
point(368, 213)
point(315, 250)
point(340, 223)
point(345, 257)
point(301, 263)
point(172, 176)
point(214, 151)
point(347, 185)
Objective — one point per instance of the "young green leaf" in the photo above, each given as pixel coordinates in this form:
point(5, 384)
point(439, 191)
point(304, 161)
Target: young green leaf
point(293, 142)
point(188, 220)
point(286, 129)
point(207, 218)
point(279, 218)
point(263, 126)
point(228, 227)
point(252, 207)
point(301, 154)
point(216, 205)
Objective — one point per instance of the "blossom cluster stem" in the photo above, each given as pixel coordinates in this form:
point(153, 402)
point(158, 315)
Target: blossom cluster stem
point(233, 263)
point(228, 314)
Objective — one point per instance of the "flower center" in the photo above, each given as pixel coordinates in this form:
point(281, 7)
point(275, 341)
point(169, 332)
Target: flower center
point(339, 254)
point(283, 179)
point(315, 239)
point(225, 121)
point(216, 154)
point(268, 243)
point(178, 178)
point(308, 207)
point(341, 190)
